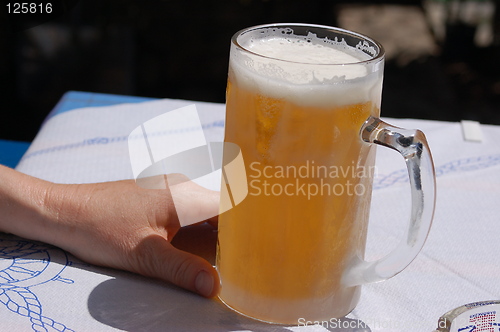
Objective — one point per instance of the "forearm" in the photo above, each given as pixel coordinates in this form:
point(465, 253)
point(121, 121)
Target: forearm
point(23, 209)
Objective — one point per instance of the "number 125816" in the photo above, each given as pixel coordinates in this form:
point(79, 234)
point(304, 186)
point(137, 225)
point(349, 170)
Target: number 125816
point(29, 8)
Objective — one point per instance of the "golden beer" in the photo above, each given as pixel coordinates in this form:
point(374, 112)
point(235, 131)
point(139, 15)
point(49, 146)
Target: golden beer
point(282, 251)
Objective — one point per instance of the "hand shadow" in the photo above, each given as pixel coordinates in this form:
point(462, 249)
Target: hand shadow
point(134, 303)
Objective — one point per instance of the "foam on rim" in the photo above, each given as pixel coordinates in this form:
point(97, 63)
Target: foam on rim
point(311, 70)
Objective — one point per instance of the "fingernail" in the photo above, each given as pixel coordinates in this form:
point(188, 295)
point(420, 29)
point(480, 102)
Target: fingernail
point(204, 283)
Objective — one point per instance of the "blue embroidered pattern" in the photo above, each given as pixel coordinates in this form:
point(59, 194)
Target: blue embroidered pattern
point(460, 165)
point(24, 265)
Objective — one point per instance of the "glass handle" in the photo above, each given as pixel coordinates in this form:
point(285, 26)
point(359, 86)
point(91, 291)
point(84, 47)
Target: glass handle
point(412, 145)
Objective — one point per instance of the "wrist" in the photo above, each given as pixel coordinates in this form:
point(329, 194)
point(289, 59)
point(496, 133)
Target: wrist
point(26, 211)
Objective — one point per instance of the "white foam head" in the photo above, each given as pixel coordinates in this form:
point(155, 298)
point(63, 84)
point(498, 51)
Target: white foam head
point(305, 69)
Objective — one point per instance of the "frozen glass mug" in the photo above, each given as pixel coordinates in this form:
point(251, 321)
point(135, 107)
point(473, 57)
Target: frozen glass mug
point(303, 103)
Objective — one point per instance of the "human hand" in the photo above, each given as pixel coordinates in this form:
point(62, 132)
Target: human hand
point(123, 226)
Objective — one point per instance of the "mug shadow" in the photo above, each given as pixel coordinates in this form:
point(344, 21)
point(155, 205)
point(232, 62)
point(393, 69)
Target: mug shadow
point(131, 302)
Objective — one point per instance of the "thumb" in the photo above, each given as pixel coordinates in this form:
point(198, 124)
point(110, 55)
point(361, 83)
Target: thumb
point(157, 258)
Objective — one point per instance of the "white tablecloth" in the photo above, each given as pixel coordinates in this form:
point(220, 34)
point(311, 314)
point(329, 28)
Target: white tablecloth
point(42, 287)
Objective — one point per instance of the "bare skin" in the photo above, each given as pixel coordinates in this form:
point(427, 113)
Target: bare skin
point(114, 224)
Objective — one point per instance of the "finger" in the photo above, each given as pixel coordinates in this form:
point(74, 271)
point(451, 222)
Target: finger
point(194, 203)
point(156, 257)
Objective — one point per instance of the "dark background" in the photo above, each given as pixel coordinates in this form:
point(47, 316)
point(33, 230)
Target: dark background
point(179, 49)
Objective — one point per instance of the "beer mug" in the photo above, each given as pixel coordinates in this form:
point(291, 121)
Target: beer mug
point(303, 105)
